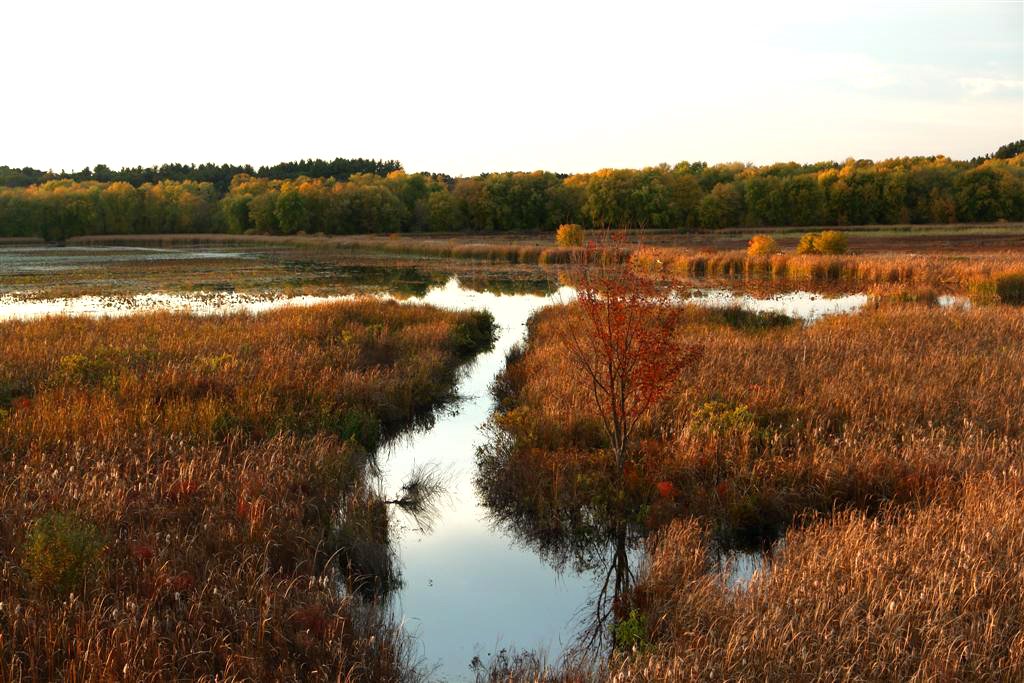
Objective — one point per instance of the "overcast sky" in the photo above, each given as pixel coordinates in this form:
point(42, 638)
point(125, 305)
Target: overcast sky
point(467, 87)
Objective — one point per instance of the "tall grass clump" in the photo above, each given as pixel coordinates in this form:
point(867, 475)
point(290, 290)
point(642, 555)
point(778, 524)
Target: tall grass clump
point(945, 273)
point(1010, 288)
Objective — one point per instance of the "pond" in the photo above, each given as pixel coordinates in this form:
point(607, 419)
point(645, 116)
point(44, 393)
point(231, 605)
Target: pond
point(469, 586)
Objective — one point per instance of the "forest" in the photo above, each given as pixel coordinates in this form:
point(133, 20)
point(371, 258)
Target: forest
point(220, 175)
point(362, 196)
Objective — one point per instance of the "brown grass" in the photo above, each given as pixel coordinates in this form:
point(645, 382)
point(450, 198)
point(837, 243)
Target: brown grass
point(207, 457)
point(851, 411)
point(954, 273)
point(949, 273)
point(933, 594)
point(886, 447)
point(462, 248)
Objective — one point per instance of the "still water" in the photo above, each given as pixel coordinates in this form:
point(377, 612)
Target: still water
point(469, 587)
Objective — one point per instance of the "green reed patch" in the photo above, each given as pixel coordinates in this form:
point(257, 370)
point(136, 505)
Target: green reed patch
point(60, 552)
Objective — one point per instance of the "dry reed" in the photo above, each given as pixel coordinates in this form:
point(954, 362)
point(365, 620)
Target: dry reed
point(206, 458)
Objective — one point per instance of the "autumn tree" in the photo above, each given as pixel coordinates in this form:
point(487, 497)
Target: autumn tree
point(621, 336)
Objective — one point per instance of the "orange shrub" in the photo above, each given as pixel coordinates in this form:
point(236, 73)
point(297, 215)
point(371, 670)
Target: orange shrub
point(569, 235)
point(762, 245)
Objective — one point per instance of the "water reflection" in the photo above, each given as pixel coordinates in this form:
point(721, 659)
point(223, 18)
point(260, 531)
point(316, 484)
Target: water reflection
point(466, 588)
point(806, 306)
point(18, 307)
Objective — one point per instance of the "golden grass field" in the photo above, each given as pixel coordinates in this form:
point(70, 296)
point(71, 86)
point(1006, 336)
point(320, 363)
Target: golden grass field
point(884, 448)
point(169, 484)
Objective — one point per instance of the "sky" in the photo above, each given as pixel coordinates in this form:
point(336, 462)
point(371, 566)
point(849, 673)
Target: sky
point(471, 87)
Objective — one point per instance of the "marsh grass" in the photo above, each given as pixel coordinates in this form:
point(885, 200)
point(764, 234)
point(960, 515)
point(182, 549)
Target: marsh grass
point(170, 482)
point(952, 273)
point(942, 271)
point(884, 447)
point(852, 411)
point(934, 593)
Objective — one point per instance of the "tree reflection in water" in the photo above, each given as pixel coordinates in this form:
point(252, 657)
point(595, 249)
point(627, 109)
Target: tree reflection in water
point(593, 525)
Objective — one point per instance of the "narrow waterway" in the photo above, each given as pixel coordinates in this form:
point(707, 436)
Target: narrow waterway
point(470, 589)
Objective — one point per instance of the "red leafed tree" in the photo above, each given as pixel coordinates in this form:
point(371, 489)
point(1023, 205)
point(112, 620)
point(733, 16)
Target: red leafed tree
point(624, 342)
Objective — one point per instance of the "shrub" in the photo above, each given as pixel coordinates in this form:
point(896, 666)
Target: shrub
point(721, 418)
point(983, 292)
point(569, 235)
point(762, 245)
point(831, 242)
point(60, 550)
point(357, 423)
point(1009, 287)
point(83, 370)
point(630, 633)
point(826, 242)
point(808, 244)
point(473, 334)
point(743, 319)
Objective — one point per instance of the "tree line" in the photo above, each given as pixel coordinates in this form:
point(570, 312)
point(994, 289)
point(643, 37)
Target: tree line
point(219, 175)
point(684, 196)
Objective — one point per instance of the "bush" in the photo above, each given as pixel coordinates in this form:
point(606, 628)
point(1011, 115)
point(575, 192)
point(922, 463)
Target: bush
point(831, 242)
point(742, 319)
point(77, 369)
point(1010, 288)
point(358, 424)
point(720, 417)
point(60, 550)
point(762, 245)
point(827, 242)
point(630, 633)
point(569, 235)
point(808, 244)
point(474, 333)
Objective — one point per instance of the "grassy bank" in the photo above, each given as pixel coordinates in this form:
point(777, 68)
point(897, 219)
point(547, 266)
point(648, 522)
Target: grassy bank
point(854, 411)
point(884, 446)
point(936, 271)
point(931, 594)
point(526, 247)
point(171, 483)
point(454, 247)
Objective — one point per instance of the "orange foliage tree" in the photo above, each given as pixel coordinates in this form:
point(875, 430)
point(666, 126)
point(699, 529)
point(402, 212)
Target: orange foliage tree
point(624, 343)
